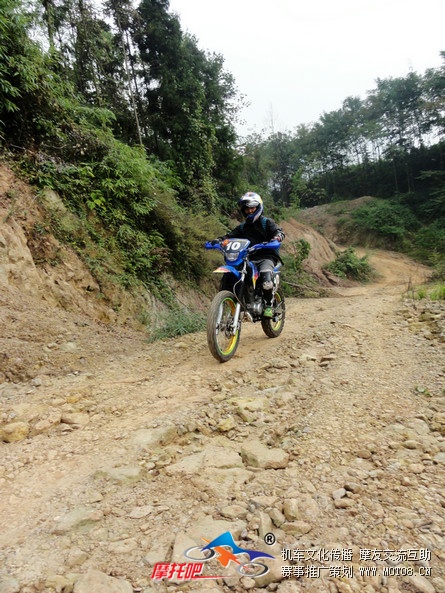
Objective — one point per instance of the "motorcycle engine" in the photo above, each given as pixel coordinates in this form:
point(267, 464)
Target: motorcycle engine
point(257, 306)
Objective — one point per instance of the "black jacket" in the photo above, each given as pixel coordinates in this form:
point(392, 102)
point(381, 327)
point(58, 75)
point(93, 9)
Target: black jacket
point(262, 230)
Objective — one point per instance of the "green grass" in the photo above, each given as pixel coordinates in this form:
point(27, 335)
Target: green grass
point(435, 292)
point(176, 322)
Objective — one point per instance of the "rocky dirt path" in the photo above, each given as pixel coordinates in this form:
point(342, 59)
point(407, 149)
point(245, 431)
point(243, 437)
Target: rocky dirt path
point(118, 455)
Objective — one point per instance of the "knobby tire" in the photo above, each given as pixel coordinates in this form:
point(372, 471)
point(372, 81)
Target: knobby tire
point(221, 344)
point(272, 328)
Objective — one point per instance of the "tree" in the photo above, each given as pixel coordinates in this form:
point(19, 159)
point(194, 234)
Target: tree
point(25, 83)
point(284, 163)
point(187, 103)
point(434, 88)
point(123, 14)
point(397, 104)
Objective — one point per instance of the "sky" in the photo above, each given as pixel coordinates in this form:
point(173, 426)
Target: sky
point(295, 59)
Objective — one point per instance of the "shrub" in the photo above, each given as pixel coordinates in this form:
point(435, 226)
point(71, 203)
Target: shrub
point(429, 243)
point(439, 268)
point(386, 219)
point(348, 264)
point(177, 322)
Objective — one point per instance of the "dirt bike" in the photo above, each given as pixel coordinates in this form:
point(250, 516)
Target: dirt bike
point(240, 298)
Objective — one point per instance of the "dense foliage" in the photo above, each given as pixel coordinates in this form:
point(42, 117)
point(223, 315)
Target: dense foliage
point(164, 93)
point(120, 112)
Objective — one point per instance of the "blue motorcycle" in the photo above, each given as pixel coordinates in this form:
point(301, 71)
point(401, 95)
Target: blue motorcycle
point(240, 298)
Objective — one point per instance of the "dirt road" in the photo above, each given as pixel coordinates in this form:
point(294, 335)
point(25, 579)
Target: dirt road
point(123, 454)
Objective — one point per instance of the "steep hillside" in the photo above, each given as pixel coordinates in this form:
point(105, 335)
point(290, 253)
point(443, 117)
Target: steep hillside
point(35, 263)
point(329, 220)
point(322, 249)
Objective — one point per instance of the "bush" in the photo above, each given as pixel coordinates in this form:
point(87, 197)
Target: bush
point(386, 219)
point(347, 264)
point(438, 293)
point(429, 243)
point(177, 322)
point(439, 268)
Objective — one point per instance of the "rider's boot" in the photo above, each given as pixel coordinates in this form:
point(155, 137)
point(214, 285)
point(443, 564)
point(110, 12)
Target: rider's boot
point(267, 294)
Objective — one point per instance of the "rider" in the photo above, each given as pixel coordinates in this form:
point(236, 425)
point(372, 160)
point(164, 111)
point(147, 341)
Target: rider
point(259, 229)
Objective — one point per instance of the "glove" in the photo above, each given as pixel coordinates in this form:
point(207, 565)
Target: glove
point(214, 242)
point(277, 238)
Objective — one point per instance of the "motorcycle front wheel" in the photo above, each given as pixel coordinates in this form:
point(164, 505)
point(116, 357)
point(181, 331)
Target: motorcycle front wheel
point(273, 327)
point(221, 337)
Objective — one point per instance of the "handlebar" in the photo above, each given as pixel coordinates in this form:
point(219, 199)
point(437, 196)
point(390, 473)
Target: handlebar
point(265, 245)
point(258, 246)
point(210, 245)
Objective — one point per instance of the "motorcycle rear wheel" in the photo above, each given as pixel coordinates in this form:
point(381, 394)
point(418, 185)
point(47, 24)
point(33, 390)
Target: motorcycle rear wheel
point(274, 326)
point(221, 340)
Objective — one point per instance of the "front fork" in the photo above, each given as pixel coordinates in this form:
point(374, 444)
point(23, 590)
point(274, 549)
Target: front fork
point(236, 315)
point(236, 319)
point(233, 327)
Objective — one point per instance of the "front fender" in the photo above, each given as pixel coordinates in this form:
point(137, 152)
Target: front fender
point(227, 270)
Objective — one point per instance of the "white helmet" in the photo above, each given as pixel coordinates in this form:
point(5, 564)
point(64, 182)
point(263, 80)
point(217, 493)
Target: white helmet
point(251, 200)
